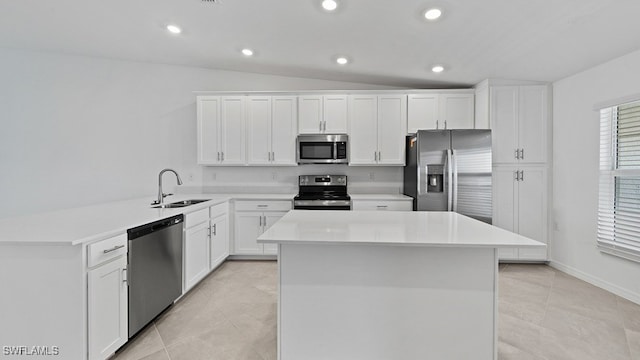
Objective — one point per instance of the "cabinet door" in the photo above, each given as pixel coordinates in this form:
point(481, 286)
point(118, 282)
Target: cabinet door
point(504, 116)
point(107, 308)
point(284, 130)
point(208, 115)
point(248, 226)
point(335, 114)
point(504, 206)
point(310, 114)
point(532, 125)
point(456, 110)
point(422, 112)
point(219, 240)
point(196, 254)
point(271, 217)
point(363, 134)
point(259, 130)
point(232, 130)
point(392, 117)
point(532, 210)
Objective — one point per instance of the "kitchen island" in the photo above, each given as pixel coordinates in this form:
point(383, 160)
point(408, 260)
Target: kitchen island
point(387, 285)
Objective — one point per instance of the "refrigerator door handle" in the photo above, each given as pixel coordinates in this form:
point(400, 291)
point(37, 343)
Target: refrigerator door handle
point(454, 162)
point(449, 169)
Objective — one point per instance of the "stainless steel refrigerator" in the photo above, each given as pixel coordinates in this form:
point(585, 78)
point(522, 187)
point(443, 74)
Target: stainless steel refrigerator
point(450, 170)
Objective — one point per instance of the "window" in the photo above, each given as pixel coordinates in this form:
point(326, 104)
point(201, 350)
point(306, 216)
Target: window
point(619, 198)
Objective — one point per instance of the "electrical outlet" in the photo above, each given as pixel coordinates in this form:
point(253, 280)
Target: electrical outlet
point(372, 176)
point(190, 177)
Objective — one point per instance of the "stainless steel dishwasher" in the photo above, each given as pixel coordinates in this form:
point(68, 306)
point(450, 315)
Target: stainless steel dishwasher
point(155, 269)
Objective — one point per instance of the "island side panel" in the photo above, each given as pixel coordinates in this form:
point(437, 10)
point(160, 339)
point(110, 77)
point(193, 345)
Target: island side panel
point(42, 301)
point(386, 302)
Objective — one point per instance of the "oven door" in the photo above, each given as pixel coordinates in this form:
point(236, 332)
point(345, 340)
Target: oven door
point(322, 205)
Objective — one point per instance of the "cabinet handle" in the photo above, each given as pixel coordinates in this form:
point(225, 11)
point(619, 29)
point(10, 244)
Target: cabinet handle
point(273, 156)
point(437, 125)
point(375, 156)
point(260, 220)
point(381, 206)
point(516, 175)
point(324, 126)
point(517, 154)
point(218, 155)
point(320, 126)
point(263, 206)
point(445, 124)
point(124, 276)
point(379, 156)
point(522, 154)
point(521, 175)
point(222, 155)
point(215, 232)
point(113, 249)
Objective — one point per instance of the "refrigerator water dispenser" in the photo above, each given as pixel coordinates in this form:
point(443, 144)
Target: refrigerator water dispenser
point(435, 178)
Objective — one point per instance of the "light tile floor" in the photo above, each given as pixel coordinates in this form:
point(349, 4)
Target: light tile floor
point(544, 314)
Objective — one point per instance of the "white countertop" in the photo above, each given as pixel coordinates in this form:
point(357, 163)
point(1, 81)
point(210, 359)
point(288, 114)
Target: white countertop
point(90, 223)
point(417, 228)
point(380, 197)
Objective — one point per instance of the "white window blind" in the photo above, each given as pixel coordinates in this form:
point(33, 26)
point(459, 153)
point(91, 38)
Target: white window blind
point(619, 195)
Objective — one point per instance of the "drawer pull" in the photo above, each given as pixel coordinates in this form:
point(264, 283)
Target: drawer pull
point(113, 249)
point(382, 206)
point(263, 206)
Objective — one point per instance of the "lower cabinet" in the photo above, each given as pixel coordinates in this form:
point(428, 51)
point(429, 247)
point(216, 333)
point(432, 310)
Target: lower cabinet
point(219, 235)
point(206, 243)
point(252, 218)
point(519, 205)
point(382, 205)
point(107, 303)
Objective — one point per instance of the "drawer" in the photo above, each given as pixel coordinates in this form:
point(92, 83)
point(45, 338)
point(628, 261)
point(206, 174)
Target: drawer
point(196, 218)
point(106, 250)
point(218, 210)
point(382, 205)
point(246, 205)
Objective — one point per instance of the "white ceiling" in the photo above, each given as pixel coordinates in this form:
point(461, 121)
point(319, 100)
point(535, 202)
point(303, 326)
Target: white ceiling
point(388, 41)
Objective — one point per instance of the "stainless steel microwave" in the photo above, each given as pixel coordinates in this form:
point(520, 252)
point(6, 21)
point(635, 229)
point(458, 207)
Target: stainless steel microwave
point(322, 149)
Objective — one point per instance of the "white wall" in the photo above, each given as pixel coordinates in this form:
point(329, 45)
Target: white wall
point(79, 130)
point(575, 174)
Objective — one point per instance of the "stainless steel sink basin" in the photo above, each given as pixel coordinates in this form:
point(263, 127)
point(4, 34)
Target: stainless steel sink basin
point(179, 204)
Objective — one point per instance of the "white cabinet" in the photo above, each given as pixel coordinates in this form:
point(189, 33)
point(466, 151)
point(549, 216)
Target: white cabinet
point(219, 235)
point(520, 203)
point(271, 124)
point(319, 114)
point(382, 205)
point(252, 218)
point(221, 130)
point(426, 111)
point(519, 121)
point(196, 248)
point(377, 129)
point(107, 299)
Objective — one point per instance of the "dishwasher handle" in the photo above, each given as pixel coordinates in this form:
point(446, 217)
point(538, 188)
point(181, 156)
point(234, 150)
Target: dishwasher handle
point(149, 228)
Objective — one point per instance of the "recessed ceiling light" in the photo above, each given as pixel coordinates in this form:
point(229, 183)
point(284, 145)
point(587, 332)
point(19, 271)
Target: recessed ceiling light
point(433, 14)
point(247, 52)
point(174, 29)
point(329, 5)
point(437, 69)
point(342, 60)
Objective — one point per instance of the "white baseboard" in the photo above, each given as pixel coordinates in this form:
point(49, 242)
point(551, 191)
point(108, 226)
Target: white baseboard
point(624, 293)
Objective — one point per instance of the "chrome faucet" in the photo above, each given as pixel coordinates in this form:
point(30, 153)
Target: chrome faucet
point(162, 195)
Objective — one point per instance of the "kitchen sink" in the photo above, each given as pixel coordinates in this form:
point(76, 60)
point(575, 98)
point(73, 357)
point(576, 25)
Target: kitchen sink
point(179, 204)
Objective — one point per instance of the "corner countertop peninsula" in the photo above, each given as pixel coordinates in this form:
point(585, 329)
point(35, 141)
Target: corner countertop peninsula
point(387, 285)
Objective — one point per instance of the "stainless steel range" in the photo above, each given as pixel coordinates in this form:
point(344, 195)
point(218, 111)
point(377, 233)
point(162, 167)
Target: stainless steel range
point(322, 192)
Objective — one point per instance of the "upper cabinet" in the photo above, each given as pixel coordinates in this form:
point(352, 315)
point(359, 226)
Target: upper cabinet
point(519, 122)
point(271, 130)
point(377, 129)
point(322, 114)
point(427, 111)
point(221, 130)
